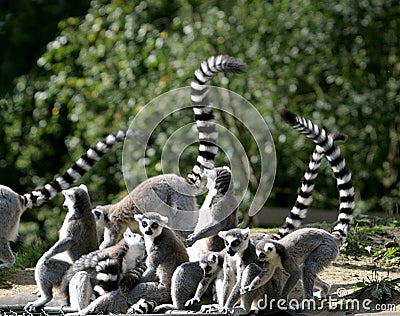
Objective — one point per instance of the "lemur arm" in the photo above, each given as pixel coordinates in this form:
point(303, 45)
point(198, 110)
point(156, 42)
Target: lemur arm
point(201, 289)
point(294, 271)
point(262, 277)
point(205, 232)
point(60, 246)
point(150, 275)
point(110, 238)
point(234, 295)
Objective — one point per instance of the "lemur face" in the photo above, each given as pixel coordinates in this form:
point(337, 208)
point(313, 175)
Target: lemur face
point(210, 264)
point(100, 217)
point(69, 201)
point(72, 196)
point(133, 239)
point(266, 252)
point(151, 224)
point(236, 240)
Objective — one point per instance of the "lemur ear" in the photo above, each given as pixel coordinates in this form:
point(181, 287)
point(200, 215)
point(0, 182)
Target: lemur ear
point(246, 233)
point(164, 220)
point(128, 231)
point(66, 192)
point(222, 234)
point(84, 187)
point(97, 212)
point(138, 217)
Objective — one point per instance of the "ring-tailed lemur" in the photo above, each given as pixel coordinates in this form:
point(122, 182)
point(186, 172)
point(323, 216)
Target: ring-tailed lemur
point(105, 268)
point(77, 237)
point(165, 252)
point(191, 280)
point(12, 204)
point(218, 212)
point(304, 198)
point(272, 258)
point(175, 192)
point(239, 253)
point(311, 249)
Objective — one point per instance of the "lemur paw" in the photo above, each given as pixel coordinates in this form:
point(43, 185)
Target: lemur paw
point(246, 289)
point(319, 295)
point(191, 239)
point(192, 301)
point(210, 308)
point(235, 311)
point(30, 307)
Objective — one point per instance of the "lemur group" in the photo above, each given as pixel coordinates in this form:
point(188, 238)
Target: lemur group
point(144, 266)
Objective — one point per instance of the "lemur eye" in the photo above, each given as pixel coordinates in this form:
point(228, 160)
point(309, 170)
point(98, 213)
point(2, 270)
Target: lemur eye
point(154, 225)
point(144, 224)
point(235, 243)
point(226, 243)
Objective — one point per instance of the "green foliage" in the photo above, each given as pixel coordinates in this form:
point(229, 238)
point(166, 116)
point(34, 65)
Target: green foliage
point(336, 63)
point(369, 236)
point(381, 289)
point(389, 256)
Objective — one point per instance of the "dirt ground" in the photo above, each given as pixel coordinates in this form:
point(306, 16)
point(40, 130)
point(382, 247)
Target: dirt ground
point(343, 275)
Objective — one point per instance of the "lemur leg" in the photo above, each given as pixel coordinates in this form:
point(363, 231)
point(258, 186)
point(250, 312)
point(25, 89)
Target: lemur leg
point(320, 258)
point(323, 288)
point(112, 302)
point(80, 290)
point(7, 258)
point(46, 295)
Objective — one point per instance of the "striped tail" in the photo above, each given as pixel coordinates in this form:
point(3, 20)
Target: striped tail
point(80, 167)
point(203, 111)
point(304, 199)
point(338, 164)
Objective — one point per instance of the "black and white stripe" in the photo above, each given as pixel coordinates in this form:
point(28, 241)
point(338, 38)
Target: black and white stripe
point(343, 177)
point(304, 197)
point(131, 278)
point(80, 167)
point(142, 307)
point(104, 265)
point(203, 111)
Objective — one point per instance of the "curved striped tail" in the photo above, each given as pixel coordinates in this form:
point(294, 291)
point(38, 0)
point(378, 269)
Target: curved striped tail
point(343, 177)
point(203, 111)
point(304, 199)
point(80, 167)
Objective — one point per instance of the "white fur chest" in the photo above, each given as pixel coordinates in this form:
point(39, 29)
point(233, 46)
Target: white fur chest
point(131, 258)
point(148, 241)
point(63, 232)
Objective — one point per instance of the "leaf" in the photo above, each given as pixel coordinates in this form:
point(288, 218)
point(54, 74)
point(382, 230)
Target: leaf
point(377, 293)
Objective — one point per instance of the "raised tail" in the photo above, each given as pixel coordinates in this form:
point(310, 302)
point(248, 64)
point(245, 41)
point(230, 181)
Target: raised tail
point(343, 176)
point(203, 111)
point(80, 167)
point(304, 199)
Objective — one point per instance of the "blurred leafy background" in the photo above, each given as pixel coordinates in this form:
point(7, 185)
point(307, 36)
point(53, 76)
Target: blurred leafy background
point(73, 71)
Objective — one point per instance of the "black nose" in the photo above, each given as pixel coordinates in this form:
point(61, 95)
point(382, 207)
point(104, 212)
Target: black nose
point(231, 252)
point(148, 232)
point(65, 206)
